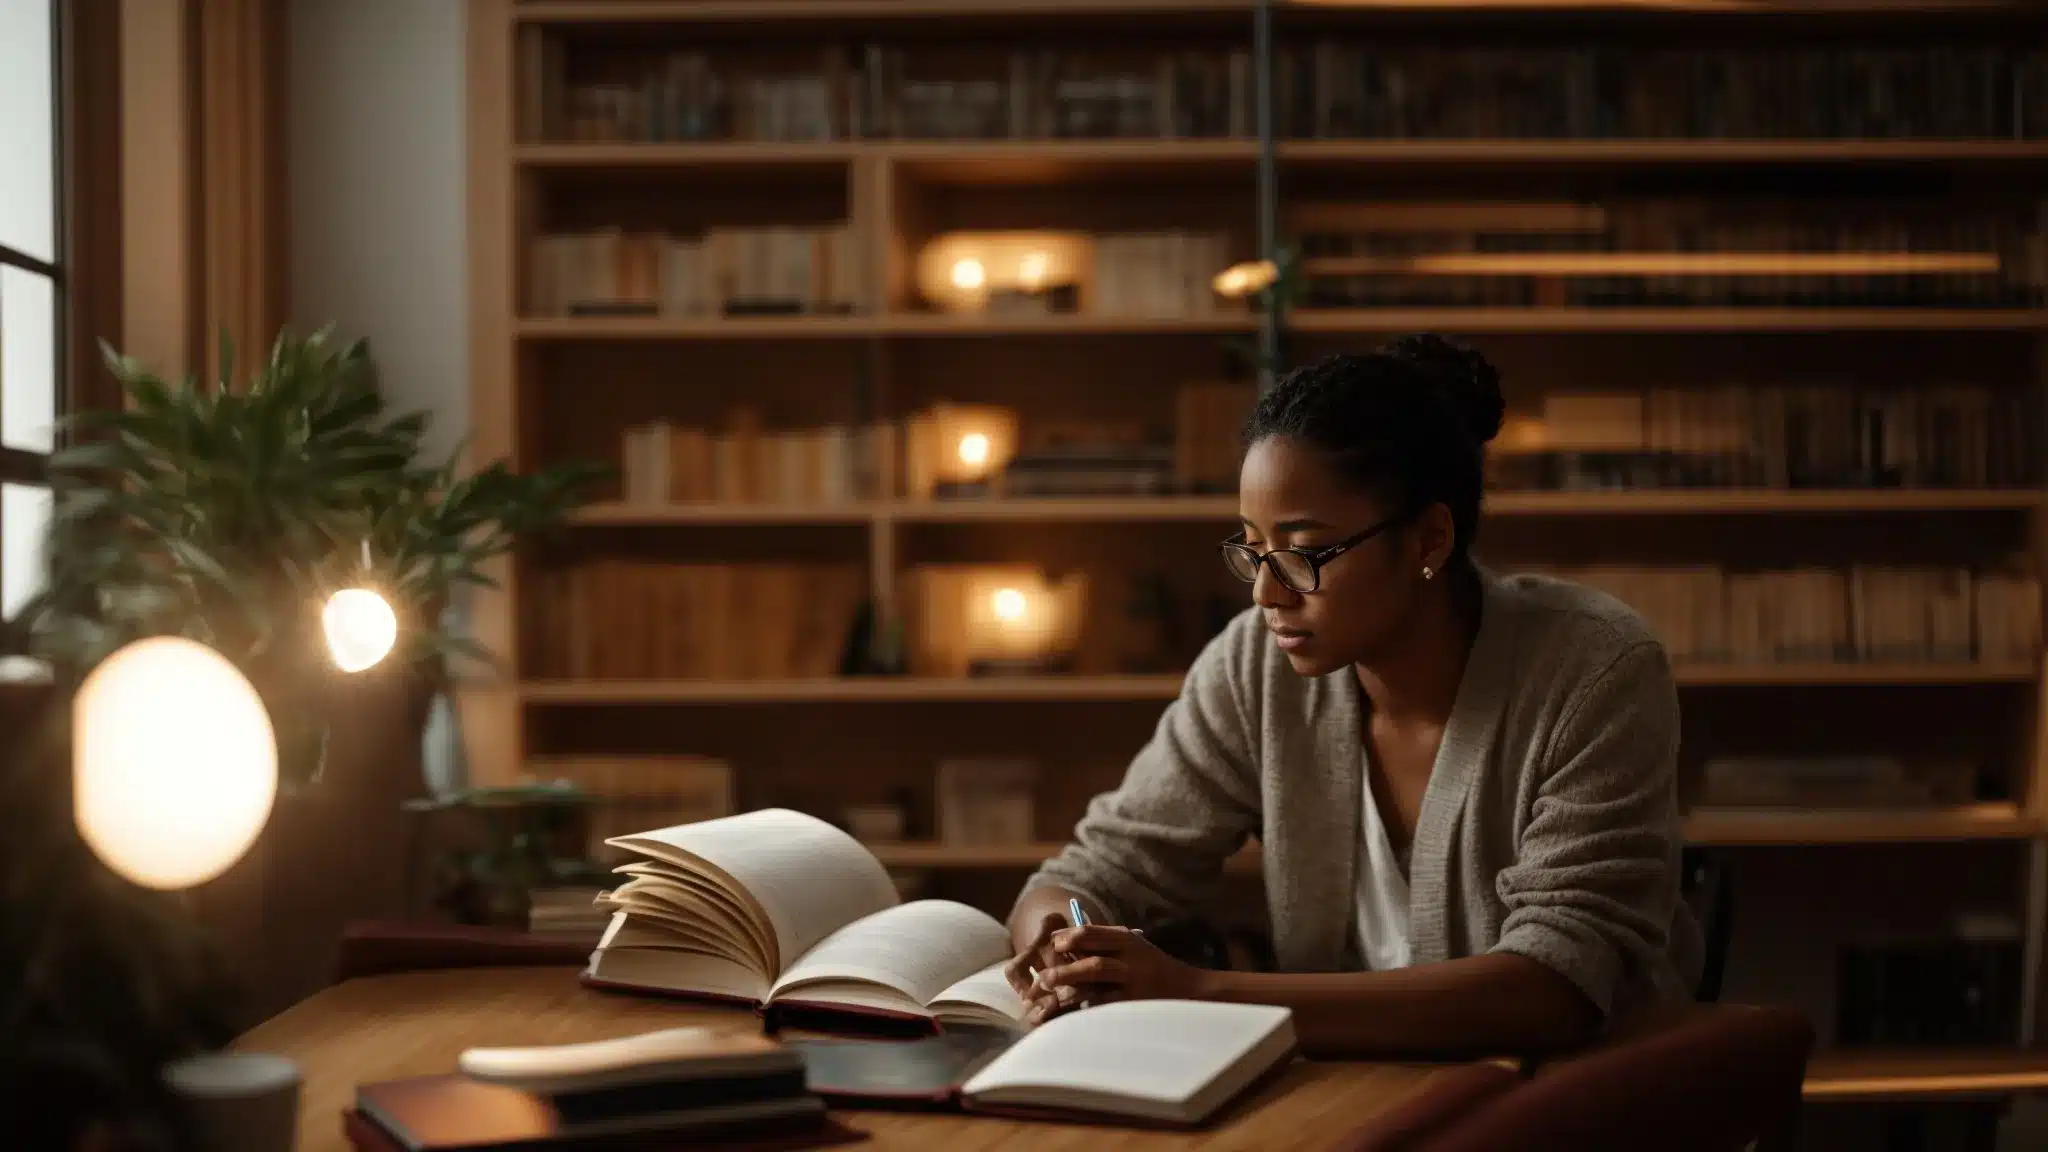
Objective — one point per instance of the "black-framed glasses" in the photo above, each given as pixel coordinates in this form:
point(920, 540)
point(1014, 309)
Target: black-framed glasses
point(1298, 569)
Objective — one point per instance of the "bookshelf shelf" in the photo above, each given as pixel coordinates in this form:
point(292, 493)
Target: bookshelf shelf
point(997, 162)
point(1592, 321)
point(719, 156)
point(1850, 675)
point(1901, 1075)
point(1979, 822)
point(871, 689)
point(1328, 322)
point(1223, 509)
point(1517, 153)
point(751, 11)
point(553, 328)
point(1738, 828)
point(938, 324)
point(794, 11)
point(647, 515)
point(1076, 689)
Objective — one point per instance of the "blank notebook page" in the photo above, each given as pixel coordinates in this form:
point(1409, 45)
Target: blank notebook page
point(1160, 1051)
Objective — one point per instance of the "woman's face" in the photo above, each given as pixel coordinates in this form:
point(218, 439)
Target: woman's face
point(1290, 497)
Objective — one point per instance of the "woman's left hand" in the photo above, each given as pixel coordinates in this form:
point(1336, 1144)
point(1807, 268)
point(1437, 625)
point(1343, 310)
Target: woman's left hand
point(1110, 963)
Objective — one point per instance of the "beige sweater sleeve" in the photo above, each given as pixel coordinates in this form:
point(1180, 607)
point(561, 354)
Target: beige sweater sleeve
point(1155, 846)
point(1595, 880)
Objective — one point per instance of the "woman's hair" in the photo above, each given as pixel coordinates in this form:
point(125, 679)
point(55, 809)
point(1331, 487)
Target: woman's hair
point(1408, 422)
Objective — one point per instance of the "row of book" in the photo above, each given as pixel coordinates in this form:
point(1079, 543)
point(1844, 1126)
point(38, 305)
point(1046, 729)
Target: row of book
point(723, 272)
point(1772, 436)
point(1157, 275)
point(1863, 614)
point(742, 461)
point(624, 618)
point(617, 617)
point(1322, 87)
point(1337, 88)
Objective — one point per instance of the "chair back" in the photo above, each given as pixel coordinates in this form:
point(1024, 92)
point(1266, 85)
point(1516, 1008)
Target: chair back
point(1708, 891)
point(1723, 1080)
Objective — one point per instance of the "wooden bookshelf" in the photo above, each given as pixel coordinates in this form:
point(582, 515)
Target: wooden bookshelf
point(558, 374)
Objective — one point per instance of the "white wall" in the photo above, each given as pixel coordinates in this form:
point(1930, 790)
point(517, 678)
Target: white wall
point(378, 171)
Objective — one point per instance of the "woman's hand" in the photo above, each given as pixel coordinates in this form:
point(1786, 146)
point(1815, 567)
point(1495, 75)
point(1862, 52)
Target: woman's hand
point(1099, 963)
point(1034, 957)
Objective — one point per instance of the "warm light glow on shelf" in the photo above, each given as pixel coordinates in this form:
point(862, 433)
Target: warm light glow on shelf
point(969, 271)
point(1241, 280)
point(1009, 604)
point(969, 275)
point(974, 449)
point(965, 443)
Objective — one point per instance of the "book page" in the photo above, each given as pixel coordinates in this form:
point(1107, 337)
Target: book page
point(808, 877)
point(988, 988)
point(919, 949)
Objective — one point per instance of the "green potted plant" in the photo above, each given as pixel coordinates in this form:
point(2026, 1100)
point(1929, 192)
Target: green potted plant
point(232, 514)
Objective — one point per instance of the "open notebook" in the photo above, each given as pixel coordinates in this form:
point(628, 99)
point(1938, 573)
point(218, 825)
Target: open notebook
point(1168, 1062)
point(782, 910)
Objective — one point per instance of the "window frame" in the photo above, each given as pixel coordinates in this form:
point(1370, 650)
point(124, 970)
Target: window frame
point(26, 467)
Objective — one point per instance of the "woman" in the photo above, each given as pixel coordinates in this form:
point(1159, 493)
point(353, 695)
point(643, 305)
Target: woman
point(1464, 785)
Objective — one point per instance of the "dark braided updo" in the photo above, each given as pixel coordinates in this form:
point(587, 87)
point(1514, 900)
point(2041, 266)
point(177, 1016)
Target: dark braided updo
point(1408, 422)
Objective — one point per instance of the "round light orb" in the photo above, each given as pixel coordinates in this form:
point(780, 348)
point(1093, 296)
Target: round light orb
point(1009, 604)
point(360, 627)
point(968, 274)
point(174, 762)
point(974, 448)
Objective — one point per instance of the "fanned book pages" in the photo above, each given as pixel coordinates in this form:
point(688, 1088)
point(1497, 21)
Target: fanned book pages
point(781, 910)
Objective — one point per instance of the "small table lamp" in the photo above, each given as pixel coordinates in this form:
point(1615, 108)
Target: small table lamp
point(174, 766)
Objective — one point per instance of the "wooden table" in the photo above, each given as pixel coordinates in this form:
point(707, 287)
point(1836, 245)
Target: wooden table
point(414, 1024)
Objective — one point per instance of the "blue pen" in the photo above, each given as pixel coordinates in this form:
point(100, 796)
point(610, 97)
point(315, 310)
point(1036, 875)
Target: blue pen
point(1080, 920)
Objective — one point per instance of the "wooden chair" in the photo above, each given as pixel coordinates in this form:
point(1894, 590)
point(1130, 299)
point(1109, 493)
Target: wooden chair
point(1707, 889)
point(1719, 1080)
point(375, 948)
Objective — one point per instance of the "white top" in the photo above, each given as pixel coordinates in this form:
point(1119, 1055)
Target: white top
point(1382, 891)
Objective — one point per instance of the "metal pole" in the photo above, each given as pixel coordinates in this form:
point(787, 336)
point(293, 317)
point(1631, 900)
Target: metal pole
point(1268, 179)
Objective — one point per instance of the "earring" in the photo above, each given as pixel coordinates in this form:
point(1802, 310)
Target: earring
point(1429, 573)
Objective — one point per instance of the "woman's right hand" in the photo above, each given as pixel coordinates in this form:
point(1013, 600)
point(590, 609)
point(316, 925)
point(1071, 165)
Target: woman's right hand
point(1035, 955)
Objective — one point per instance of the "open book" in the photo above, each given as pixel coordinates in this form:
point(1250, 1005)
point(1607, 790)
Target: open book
point(778, 909)
point(1169, 1062)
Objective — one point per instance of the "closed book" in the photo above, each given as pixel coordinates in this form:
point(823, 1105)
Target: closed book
point(455, 1112)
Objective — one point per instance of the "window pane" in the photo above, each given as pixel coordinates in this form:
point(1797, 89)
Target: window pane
point(28, 358)
point(27, 123)
point(24, 517)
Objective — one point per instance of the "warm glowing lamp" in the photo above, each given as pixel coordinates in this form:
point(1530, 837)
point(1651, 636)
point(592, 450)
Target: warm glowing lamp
point(174, 762)
point(969, 445)
point(1018, 619)
point(1241, 280)
point(361, 628)
point(976, 271)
